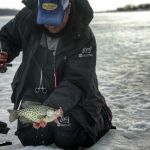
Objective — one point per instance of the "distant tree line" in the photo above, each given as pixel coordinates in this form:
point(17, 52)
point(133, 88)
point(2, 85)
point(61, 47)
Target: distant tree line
point(131, 7)
point(8, 12)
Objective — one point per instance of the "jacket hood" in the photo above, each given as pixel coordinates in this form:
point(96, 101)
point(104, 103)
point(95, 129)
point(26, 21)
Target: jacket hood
point(82, 11)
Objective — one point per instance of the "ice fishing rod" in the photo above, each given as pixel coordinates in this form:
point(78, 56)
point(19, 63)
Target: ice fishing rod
point(9, 65)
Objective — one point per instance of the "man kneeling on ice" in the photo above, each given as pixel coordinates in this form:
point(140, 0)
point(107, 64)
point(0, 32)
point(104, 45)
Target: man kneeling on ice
point(56, 79)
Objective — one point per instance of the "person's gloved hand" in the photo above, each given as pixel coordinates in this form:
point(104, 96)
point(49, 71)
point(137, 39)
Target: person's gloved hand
point(3, 128)
point(3, 61)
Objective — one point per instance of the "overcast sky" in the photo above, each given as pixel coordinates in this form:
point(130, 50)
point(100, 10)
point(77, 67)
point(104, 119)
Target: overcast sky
point(96, 4)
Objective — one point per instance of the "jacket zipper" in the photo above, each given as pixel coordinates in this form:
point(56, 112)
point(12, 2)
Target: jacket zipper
point(54, 70)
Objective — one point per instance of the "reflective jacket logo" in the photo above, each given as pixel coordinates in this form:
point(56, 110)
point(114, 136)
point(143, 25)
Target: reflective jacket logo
point(86, 52)
point(49, 6)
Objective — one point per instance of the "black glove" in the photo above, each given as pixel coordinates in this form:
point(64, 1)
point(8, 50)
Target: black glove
point(3, 128)
point(5, 143)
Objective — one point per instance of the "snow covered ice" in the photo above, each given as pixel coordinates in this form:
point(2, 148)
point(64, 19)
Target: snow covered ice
point(123, 70)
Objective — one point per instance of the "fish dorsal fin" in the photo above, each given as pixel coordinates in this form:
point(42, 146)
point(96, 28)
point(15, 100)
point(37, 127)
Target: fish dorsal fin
point(13, 115)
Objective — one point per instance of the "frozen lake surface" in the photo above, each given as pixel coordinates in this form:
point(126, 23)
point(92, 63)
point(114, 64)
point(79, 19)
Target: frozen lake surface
point(123, 70)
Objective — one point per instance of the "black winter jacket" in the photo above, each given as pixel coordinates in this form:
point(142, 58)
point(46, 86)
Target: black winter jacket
point(74, 62)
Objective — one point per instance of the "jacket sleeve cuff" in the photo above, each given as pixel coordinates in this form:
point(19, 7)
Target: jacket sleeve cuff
point(66, 96)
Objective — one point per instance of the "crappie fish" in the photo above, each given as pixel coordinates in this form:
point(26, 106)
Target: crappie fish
point(38, 115)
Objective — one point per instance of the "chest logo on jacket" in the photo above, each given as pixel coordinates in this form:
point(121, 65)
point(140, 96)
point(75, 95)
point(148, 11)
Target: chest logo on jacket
point(64, 121)
point(85, 52)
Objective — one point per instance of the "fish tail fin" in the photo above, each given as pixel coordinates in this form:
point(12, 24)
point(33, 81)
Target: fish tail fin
point(13, 115)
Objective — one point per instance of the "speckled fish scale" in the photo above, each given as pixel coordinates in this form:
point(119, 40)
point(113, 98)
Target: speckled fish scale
point(33, 112)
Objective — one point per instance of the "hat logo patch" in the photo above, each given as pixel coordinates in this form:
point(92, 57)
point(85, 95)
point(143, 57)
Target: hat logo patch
point(49, 6)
